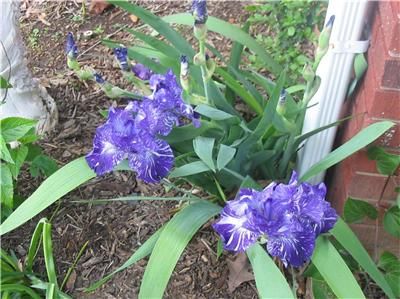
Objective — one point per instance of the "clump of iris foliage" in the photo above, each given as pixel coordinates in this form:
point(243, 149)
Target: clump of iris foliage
point(177, 131)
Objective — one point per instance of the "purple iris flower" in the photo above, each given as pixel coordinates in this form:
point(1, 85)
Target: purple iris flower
point(142, 71)
point(199, 11)
point(134, 133)
point(290, 216)
point(121, 53)
point(70, 48)
point(166, 107)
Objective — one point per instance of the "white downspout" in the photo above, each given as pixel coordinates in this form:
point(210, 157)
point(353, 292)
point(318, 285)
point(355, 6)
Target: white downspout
point(335, 70)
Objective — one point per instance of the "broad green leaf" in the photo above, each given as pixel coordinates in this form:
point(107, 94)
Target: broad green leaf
point(43, 164)
point(248, 182)
point(355, 210)
point(270, 281)
point(20, 288)
point(151, 64)
point(391, 221)
point(225, 155)
point(362, 139)
point(189, 169)
point(237, 74)
point(188, 132)
point(391, 265)
point(203, 147)
point(386, 163)
point(234, 61)
point(13, 128)
point(57, 185)
point(33, 151)
point(34, 244)
point(321, 290)
point(162, 27)
point(170, 245)
point(360, 66)
point(389, 262)
point(4, 152)
point(51, 291)
point(334, 270)
point(48, 254)
point(6, 186)
point(228, 30)
point(137, 198)
point(212, 113)
point(144, 250)
point(345, 236)
point(299, 139)
point(156, 44)
point(4, 84)
point(240, 91)
point(18, 155)
point(219, 100)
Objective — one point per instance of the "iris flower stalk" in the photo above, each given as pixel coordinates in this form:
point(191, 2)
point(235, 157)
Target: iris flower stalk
point(199, 12)
point(133, 74)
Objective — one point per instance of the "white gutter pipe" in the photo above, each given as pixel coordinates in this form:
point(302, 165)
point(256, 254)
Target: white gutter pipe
point(335, 70)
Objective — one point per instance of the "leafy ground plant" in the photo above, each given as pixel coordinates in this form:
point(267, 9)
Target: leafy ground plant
point(189, 131)
point(287, 27)
point(18, 280)
point(356, 210)
point(17, 139)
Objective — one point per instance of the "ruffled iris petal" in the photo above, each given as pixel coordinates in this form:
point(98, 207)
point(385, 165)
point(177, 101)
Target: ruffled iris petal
point(292, 242)
point(328, 220)
point(105, 154)
point(152, 160)
point(153, 120)
point(142, 71)
point(235, 234)
point(237, 226)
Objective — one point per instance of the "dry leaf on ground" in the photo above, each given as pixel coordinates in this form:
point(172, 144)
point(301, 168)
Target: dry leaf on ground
point(98, 6)
point(239, 271)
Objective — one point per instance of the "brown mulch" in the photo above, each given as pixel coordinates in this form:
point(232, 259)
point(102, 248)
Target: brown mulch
point(115, 230)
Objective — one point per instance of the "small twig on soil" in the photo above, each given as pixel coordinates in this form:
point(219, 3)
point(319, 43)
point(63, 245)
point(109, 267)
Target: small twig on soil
point(208, 247)
point(99, 42)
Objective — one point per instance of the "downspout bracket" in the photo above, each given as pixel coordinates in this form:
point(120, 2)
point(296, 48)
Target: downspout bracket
point(350, 46)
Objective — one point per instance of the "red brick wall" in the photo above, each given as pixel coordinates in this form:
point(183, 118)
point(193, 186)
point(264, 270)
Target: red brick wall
point(378, 98)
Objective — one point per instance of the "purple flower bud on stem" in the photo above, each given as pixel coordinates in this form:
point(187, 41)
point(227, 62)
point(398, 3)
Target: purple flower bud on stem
point(330, 22)
point(199, 11)
point(70, 48)
point(121, 53)
point(184, 66)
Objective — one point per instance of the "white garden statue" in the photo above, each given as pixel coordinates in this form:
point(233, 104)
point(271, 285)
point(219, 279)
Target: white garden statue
point(26, 98)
